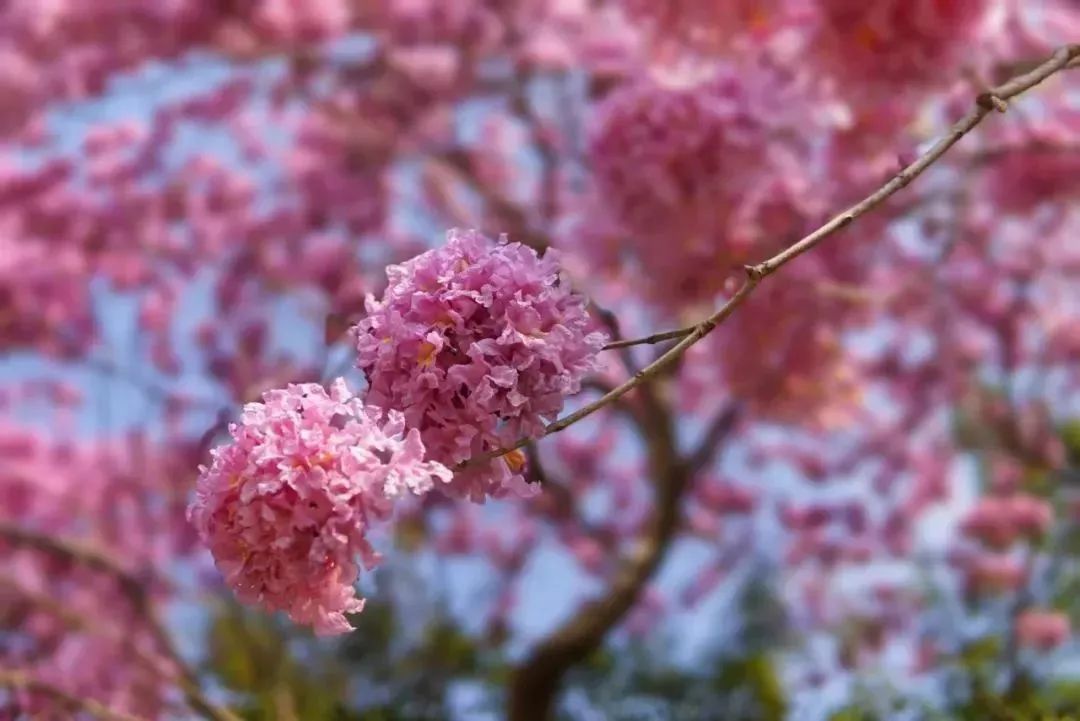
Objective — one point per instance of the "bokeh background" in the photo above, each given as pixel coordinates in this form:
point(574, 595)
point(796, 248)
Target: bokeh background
point(857, 499)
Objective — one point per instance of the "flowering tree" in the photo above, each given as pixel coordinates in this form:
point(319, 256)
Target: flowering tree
point(655, 367)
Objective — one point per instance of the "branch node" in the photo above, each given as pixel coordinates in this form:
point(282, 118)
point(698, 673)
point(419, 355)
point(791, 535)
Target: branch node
point(989, 101)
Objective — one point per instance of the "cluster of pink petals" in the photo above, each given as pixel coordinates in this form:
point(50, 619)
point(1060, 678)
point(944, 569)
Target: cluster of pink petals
point(785, 368)
point(123, 499)
point(705, 24)
point(994, 573)
point(295, 21)
point(429, 39)
point(477, 343)
point(286, 506)
point(1000, 521)
point(102, 650)
point(44, 297)
point(892, 44)
point(69, 50)
point(1042, 630)
point(122, 495)
point(695, 180)
point(1037, 164)
point(430, 22)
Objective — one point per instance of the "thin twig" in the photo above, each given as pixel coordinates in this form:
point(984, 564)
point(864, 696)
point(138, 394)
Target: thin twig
point(132, 586)
point(650, 401)
point(19, 680)
point(651, 339)
point(985, 104)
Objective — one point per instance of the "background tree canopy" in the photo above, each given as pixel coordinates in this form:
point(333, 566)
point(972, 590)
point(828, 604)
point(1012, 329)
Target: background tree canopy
point(630, 359)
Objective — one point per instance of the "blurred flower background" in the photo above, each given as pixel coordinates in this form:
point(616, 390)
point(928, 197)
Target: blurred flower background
point(857, 499)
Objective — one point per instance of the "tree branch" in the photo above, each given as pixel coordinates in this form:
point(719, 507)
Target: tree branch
point(650, 400)
point(81, 554)
point(534, 684)
point(18, 680)
point(985, 103)
point(563, 499)
point(459, 160)
point(714, 436)
point(97, 560)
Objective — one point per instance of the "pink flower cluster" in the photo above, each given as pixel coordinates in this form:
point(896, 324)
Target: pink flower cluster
point(477, 343)
point(1000, 521)
point(44, 297)
point(295, 21)
point(1038, 164)
point(891, 44)
point(286, 506)
point(1042, 630)
point(706, 24)
point(695, 180)
point(786, 369)
point(74, 626)
point(993, 573)
point(473, 345)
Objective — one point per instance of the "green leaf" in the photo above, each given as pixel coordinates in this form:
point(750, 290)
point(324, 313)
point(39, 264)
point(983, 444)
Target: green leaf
point(980, 652)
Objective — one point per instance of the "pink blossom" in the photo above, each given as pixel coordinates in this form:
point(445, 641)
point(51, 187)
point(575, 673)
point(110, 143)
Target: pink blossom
point(990, 522)
point(995, 573)
point(286, 506)
point(1031, 515)
point(308, 185)
point(926, 657)
point(588, 552)
point(893, 43)
point(1039, 164)
point(433, 22)
point(809, 518)
point(1006, 475)
point(782, 367)
point(478, 344)
point(704, 24)
point(726, 498)
point(694, 180)
point(303, 20)
point(1042, 630)
point(1000, 521)
point(122, 498)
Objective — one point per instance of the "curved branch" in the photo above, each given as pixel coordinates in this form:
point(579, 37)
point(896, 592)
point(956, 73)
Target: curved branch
point(79, 553)
point(97, 560)
point(534, 684)
point(17, 680)
point(993, 100)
